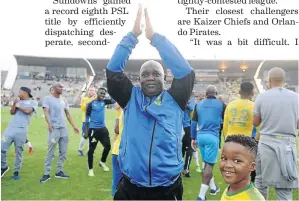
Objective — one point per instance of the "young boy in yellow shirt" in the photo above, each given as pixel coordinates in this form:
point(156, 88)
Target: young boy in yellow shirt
point(237, 163)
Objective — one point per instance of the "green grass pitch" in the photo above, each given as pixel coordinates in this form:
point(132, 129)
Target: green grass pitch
point(79, 186)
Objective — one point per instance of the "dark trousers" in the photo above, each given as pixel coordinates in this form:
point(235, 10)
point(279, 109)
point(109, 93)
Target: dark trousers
point(220, 131)
point(186, 147)
point(95, 135)
point(253, 174)
point(128, 191)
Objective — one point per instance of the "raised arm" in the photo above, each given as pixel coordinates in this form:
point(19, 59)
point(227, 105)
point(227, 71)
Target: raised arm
point(118, 84)
point(13, 108)
point(109, 101)
point(26, 110)
point(183, 82)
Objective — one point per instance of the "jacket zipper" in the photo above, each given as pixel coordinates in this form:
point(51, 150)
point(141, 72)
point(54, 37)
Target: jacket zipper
point(126, 140)
point(150, 152)
point(150, 156)
point(177, 148)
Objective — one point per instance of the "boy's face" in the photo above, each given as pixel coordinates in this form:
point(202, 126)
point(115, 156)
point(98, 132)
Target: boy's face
point(236, 163)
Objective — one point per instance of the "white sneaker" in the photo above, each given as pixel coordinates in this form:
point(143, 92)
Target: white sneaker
point(198, 169)
point(90, 173)
point(103, 165)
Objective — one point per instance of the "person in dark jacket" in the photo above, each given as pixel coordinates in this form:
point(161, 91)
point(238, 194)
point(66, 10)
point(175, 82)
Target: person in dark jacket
point(150, 155)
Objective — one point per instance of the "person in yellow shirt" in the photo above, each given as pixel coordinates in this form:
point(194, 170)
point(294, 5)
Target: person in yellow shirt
point(84, 101)
point(237, 163)
point(116, 172)
point(239, 113)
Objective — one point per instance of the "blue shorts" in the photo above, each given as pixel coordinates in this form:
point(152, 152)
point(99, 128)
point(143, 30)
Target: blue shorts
point(116, 174)
point(208, 145)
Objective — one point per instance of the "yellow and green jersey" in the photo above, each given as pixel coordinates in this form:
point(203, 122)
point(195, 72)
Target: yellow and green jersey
point(238, 118)
point(84, 102)
point(120, 114)
point(248, 193)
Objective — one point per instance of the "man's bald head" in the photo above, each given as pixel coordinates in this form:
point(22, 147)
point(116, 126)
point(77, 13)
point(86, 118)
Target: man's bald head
point(211, 90)
point(152, 64)
point(57, 84)
point(57, 88)
point(276, 77)
point(277, 74)
point(152, 78)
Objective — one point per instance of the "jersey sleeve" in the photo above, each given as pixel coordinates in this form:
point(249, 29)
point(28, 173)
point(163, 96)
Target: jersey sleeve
point(34, 106)
point(46, 102)
point(66, 107)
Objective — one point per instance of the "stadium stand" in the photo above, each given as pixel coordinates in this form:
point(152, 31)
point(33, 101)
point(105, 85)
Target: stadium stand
point(39, 73)
point(3, 77)
point(291, 69)
point(77, 74)
point(5, 93)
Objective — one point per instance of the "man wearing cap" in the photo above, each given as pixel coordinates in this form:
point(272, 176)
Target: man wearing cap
point(17, 130)
point(55, 107)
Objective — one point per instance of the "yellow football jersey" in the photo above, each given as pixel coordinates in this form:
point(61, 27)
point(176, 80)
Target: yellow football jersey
point(238, 118)
point(120, 115)
point(248, 193)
